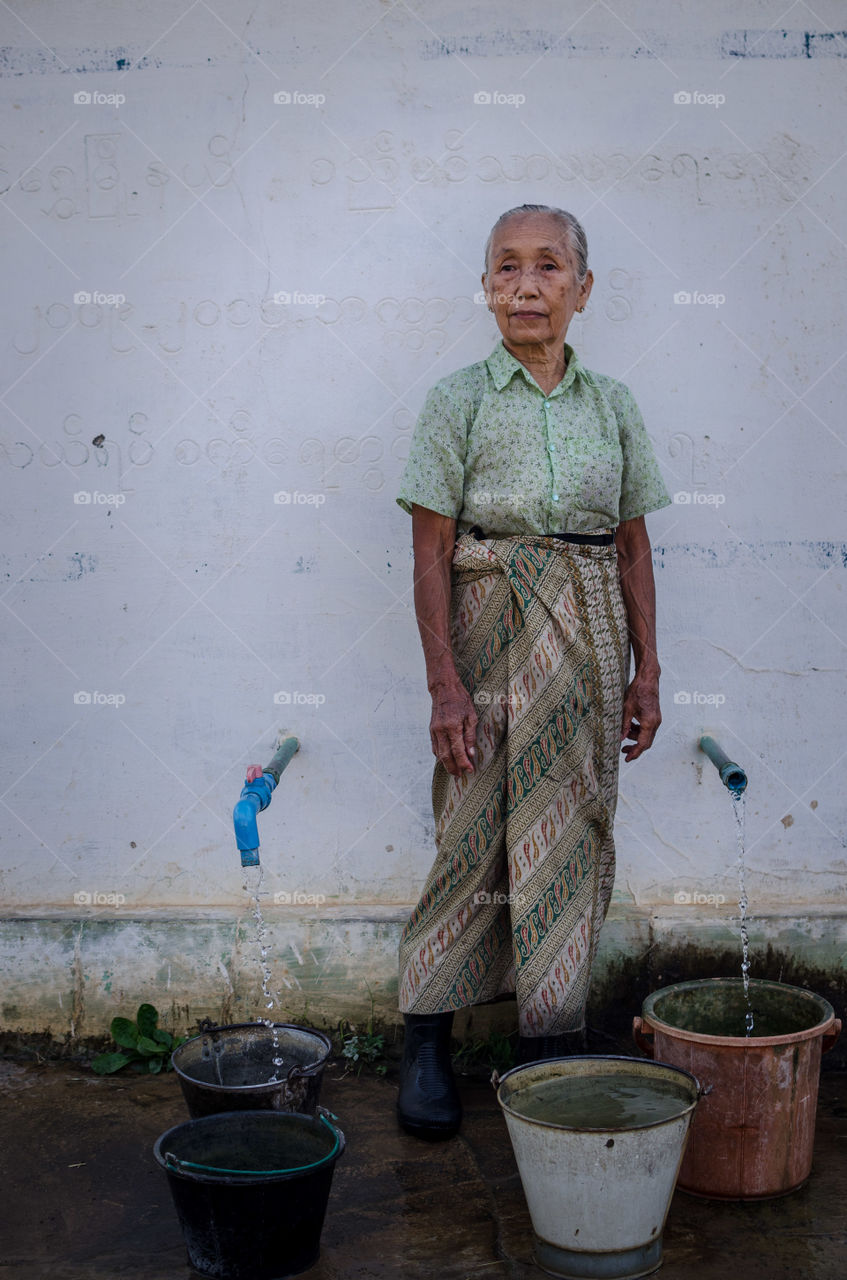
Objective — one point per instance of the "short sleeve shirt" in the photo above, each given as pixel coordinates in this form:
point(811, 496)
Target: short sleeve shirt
point(490, 448)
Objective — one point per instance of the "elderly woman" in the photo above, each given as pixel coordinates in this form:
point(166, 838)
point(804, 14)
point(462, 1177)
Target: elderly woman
point(528, 480)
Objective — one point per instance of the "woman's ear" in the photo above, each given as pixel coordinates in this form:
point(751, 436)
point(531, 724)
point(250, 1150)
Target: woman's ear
point(585, 287)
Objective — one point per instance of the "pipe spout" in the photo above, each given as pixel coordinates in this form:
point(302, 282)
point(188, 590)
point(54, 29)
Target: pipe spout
point(731, 774)
point(256, 796)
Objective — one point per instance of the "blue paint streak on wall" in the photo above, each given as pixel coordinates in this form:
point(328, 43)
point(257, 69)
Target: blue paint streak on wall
point(784, 44)
point(38, 61)
point(69, 568)
point(504, 44)
point(500, 43)
point(818, 554)
point(727, 44)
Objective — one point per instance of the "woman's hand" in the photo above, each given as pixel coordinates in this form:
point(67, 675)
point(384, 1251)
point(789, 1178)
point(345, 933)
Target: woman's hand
point(641, 714)
point(452, 728)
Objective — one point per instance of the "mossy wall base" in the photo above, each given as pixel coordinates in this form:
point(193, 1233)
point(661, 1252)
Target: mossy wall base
point(66, 977)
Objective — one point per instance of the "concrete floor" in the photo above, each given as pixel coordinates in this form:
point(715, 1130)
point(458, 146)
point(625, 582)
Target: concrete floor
point(83, 1199)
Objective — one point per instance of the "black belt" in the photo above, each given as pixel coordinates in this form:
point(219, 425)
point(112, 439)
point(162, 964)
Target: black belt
point(582, 539)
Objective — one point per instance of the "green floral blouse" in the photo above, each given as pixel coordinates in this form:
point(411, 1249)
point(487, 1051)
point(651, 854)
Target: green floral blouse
point(491, 449)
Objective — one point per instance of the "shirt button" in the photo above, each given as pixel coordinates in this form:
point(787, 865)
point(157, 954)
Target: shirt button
point(555, 497)
point(552, 448)
point(546, 404)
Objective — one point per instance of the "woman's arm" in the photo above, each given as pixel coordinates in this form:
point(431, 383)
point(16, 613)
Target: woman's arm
point(641, 713)
point(452, 728)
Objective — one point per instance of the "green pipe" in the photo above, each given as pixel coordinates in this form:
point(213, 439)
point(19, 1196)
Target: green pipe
point(731, 774)
point(282, 757)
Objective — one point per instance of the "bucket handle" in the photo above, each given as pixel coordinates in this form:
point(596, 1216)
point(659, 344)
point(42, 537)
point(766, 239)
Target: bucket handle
point(173, 1162)
point(830, 1037)
point(645, 1040)
point(298, 1072)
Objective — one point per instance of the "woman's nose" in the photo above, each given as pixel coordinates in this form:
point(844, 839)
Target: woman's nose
point(527, 284)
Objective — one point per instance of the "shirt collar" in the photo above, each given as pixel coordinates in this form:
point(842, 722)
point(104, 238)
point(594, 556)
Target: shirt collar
point(502, 366)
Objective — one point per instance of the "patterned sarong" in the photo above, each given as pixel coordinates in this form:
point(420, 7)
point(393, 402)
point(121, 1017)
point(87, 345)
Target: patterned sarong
point(526, 857)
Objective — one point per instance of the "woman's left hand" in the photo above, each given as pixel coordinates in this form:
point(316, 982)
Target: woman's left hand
point(641, 715)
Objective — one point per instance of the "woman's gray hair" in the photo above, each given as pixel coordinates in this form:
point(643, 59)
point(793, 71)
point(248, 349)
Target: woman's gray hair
point(573, 229)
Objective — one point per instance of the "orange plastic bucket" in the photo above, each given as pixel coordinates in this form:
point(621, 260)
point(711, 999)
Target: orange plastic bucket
point(754, 1130)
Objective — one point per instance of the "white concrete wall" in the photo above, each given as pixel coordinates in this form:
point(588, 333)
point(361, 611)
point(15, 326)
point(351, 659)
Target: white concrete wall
point(184, 589)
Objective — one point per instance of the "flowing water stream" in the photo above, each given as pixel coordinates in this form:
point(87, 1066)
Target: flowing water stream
point(738, 809)
point(253, 879)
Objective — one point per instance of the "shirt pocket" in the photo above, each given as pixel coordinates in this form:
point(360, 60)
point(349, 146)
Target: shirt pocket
point(597, 469)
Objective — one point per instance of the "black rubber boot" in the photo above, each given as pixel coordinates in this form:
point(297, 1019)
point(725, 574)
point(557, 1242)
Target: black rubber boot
point(535, 1048)
point(428, 1104)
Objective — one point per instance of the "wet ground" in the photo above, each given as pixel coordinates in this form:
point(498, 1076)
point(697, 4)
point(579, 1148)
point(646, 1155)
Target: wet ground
point(83, 1199)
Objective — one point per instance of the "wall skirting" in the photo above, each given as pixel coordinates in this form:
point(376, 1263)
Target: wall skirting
point(66, 975)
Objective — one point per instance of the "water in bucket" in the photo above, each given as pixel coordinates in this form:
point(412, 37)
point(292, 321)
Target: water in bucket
point(621, 1101)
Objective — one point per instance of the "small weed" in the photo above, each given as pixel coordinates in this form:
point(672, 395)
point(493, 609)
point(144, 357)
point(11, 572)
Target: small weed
point(145, 1047)
point(363, 1048)
point(483, 1056)
point(367, 1049)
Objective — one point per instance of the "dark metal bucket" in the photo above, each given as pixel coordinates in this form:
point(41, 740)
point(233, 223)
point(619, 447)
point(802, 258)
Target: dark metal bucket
point(229, 1069)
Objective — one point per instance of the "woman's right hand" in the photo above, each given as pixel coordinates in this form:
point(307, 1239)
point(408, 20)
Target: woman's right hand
point(452, 728)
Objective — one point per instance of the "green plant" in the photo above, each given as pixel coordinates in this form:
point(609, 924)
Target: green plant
point(495, 1053)
point(145, 1047)
point(365, 1048)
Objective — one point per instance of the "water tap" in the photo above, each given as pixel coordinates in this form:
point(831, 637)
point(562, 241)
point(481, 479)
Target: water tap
point(255, 796)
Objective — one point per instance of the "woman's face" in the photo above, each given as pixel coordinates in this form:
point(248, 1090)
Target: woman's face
point(531, 285)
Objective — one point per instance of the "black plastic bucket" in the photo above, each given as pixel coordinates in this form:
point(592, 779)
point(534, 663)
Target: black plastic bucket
point(250, 1190)
point(229, 1069)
